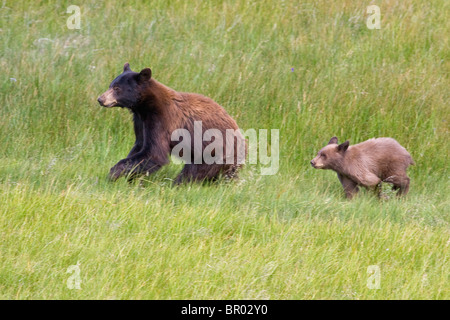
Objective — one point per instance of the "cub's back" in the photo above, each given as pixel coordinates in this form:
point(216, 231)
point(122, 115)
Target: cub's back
point(382, 155)
point(385, 147)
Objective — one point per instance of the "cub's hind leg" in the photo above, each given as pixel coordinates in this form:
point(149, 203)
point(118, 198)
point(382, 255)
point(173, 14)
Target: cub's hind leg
point(400, 183)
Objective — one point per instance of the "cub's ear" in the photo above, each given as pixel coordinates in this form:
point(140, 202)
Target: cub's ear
point(126, 67)
point(333, 140)
point(343, 146)
point(145, 74)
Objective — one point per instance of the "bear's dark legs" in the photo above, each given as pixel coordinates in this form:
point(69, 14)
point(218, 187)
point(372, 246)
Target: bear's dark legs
point(131, 169)
point(146, 168)
point(350, 187)
point(139, 133)
point(148, 154)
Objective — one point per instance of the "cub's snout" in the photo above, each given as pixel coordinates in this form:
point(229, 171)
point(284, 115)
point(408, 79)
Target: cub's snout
point(316, 163)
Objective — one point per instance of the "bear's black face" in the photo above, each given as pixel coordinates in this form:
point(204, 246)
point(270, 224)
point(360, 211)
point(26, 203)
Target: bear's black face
point(124, 91)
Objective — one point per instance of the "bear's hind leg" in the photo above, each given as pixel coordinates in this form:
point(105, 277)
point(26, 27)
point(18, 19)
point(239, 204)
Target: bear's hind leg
point(198, 172)
point(403, 186)
point(400, 183)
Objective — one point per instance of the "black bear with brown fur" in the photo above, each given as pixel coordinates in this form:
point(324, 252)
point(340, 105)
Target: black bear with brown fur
point(157, 112)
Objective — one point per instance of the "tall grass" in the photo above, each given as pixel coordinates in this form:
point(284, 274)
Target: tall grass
point(287, 236)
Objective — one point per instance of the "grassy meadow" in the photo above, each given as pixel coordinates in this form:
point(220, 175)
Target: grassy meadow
point(311, 69)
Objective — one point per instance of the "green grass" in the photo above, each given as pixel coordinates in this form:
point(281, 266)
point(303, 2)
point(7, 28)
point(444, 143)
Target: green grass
point(287, 236)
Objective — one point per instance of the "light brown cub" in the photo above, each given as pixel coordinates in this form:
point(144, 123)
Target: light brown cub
point(366, 164)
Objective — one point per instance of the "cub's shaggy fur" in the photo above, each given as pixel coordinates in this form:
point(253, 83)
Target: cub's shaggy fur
point(366, 164)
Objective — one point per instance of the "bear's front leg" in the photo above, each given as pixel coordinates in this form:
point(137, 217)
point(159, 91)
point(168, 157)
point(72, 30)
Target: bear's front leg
point(120, 169)
point(132, 168)
point(350, 186)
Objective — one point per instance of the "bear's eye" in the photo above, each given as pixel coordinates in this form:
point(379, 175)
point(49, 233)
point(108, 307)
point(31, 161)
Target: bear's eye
point(116, 88)
point(324, 155)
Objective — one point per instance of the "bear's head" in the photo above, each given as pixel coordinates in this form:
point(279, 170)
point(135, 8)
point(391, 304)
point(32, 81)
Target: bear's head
point(126, 90)
point(331, 156)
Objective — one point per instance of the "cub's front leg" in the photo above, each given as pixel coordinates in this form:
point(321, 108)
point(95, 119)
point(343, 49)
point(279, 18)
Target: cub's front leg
point(350, 187)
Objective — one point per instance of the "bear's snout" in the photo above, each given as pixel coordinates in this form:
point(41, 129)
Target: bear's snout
point(312, 163)
point(107, 99)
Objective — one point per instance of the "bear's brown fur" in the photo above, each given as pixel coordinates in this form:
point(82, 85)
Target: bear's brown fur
point(157, 112)
point(366, 164)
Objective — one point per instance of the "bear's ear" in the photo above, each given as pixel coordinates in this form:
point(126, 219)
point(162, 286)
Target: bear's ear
point(126, 67)
point(333, 140)
point(343, 146)
point(145, 74)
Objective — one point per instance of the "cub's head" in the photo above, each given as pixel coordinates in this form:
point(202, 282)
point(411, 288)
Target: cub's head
point(126, 90)
point(330, 156)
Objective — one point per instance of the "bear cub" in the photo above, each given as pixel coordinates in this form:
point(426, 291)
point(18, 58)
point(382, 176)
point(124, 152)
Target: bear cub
point(366, 164)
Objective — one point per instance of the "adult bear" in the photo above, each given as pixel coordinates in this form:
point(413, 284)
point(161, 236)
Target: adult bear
point(160, 114)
